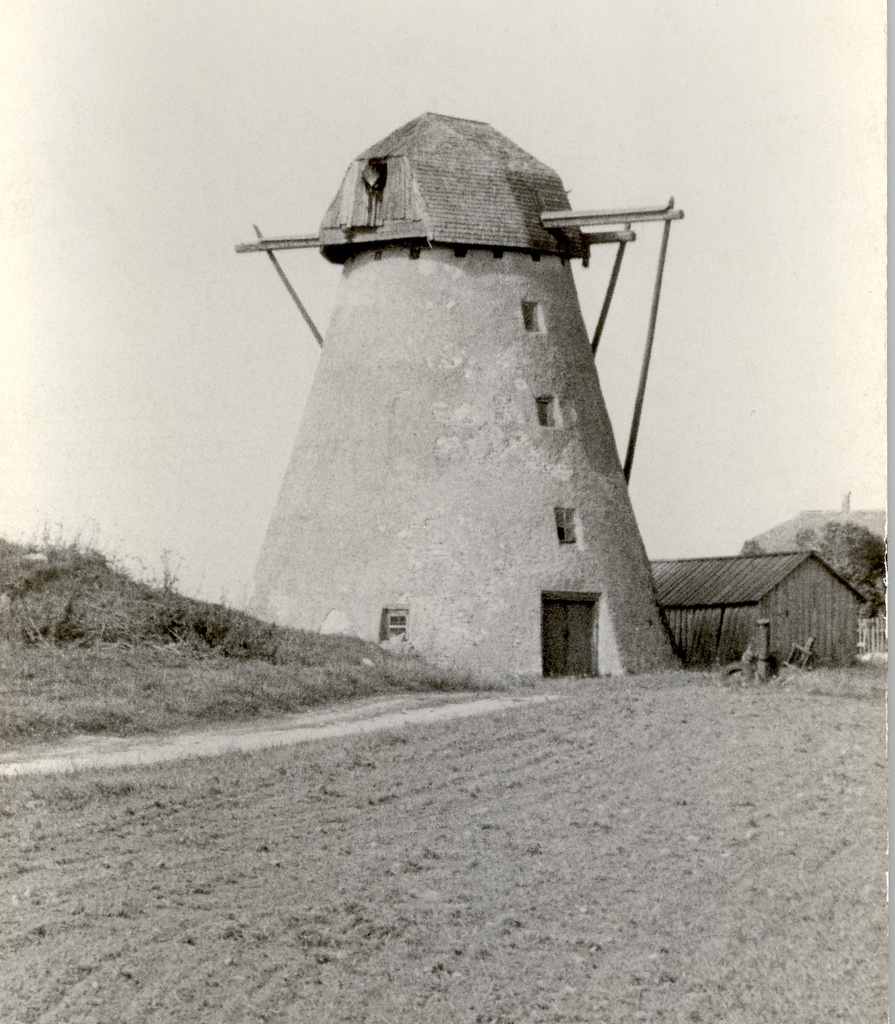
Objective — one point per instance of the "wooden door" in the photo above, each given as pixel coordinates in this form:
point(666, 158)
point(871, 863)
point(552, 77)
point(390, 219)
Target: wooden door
point(567, 635)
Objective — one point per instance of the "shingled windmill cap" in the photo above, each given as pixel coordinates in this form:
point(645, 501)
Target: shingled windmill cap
point(441, 180)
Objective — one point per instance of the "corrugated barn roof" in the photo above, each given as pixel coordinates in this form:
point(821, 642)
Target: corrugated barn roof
point(700, 582)
point(449, 181)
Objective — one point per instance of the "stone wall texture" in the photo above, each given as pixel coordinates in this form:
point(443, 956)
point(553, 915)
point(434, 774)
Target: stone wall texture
point(422, 477)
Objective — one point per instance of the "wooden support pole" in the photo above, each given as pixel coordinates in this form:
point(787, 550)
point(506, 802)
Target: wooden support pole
point(610, 291)
point(305, 314)
point(763, 651)
point(654, 312)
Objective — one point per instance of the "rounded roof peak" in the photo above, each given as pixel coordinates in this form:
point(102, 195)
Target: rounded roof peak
point(447, 180)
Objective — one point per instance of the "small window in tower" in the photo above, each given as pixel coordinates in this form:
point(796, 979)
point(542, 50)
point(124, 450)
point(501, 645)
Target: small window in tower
point(374, 177)
point(533, 317)
point(546, 410)
point(394, 624)
point(565, 525)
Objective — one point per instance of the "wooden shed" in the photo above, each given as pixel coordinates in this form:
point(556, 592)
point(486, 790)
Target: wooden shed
point(712, 604)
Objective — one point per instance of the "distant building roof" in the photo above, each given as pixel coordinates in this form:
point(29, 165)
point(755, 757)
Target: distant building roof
point(448, 180)
point(785, 536)
point(741, 579)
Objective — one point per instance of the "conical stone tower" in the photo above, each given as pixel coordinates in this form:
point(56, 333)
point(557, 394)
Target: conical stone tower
point(455, 484)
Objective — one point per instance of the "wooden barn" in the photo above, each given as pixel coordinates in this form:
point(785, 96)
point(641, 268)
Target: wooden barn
point(712, 604)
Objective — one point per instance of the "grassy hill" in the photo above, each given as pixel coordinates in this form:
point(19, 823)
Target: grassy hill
point(85, 648)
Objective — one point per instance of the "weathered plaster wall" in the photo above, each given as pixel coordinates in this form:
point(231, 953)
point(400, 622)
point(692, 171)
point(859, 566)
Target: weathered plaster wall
point(422, 477)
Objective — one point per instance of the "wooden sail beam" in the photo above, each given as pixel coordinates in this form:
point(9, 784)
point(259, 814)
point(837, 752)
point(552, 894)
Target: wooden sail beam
point(280, 242)
point(268, 245)
point(608, 237)
point(274, 243)
point(596, 218)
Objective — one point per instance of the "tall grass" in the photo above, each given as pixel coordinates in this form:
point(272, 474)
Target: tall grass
point(66, 594)
point(84, 647)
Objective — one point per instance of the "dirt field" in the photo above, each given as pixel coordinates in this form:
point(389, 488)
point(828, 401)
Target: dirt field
point(666, 849)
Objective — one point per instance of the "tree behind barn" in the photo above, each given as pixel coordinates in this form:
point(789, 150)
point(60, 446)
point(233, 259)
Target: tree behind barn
point(852, 550)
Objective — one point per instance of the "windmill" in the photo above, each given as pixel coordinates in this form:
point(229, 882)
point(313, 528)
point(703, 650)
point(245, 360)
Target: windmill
point(455, 484)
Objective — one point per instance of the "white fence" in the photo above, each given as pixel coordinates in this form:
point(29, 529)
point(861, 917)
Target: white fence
point(872, 636)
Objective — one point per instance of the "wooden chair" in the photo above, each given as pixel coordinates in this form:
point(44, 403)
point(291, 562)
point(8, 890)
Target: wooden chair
point(801, 655)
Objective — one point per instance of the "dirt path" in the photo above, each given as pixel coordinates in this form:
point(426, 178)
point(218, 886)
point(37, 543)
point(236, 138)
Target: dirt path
point(360, 717)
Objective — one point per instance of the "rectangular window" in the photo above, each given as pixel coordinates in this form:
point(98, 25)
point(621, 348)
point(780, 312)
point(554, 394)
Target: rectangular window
point(533, 317)
point(565, 525)
point(394, 624)
point(546, 410)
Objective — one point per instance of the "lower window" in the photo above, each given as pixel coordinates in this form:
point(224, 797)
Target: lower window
point(394, 624)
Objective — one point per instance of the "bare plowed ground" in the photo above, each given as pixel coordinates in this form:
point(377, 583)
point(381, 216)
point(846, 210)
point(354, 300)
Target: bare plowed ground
point(662, 849)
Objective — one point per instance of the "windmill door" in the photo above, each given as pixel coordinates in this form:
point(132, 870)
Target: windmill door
point(568, 635)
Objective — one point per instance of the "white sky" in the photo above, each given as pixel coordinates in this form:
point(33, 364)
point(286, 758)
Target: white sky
point(153, 381)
